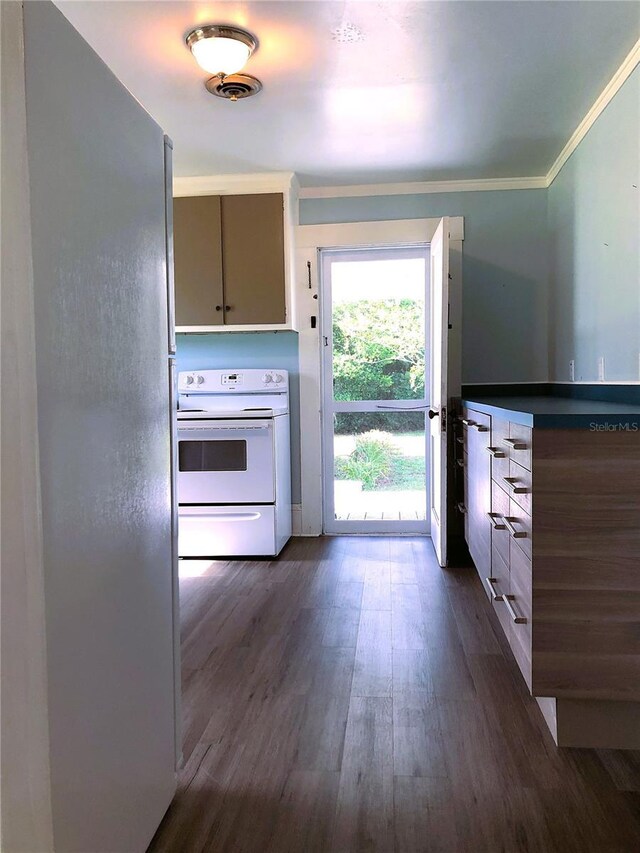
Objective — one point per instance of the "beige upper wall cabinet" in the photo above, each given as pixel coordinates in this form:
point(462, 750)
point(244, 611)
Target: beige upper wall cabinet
point(253, 258)
point(232, 258)
point(197, 246)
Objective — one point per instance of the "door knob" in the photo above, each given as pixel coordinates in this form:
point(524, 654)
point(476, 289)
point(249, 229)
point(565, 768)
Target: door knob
point(433, 413)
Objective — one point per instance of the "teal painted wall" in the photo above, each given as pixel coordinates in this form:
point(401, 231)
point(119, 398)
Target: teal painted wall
point(548, 275)
point(256, 349)
point(594, 247)
point(505, 274)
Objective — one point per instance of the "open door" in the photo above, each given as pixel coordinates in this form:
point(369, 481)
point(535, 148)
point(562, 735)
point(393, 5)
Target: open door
point(439, 320)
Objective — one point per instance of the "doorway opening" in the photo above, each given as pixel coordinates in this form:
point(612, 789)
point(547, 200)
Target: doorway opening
point(375, 389)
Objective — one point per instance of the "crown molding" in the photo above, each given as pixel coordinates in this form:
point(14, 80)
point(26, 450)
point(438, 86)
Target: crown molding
point(259, 182)
point(606, 96)
point(425, 187)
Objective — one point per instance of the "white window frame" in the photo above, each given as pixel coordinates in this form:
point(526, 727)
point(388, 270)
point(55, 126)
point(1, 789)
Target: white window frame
point(310, 239)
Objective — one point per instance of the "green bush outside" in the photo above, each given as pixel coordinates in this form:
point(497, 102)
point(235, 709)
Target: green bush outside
point(378, 354)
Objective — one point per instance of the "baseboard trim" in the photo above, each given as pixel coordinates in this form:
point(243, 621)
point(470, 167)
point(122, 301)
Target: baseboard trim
point(296, 519)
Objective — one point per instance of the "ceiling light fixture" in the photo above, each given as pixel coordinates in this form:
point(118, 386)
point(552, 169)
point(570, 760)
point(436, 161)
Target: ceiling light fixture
point(223, 51)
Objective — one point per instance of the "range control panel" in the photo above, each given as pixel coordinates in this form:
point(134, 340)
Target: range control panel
point(229, 381)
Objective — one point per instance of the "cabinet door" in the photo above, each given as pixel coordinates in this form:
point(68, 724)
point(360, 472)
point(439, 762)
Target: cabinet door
point(197, 250)
point(253, 252)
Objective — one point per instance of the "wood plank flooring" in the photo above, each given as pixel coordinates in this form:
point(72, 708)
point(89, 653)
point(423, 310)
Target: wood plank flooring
point(353, 696)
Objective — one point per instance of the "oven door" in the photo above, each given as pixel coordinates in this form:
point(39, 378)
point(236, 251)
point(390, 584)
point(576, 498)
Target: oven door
point(226, 462)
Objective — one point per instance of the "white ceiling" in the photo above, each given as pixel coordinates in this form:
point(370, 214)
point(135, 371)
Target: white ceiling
point(433, 91)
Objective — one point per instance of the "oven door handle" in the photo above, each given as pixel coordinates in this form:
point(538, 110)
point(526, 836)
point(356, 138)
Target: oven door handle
point(226, 516)
point(204, 426)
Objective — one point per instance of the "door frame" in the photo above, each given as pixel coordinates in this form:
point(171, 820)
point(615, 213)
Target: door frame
point(310, 239)
point(331, 525)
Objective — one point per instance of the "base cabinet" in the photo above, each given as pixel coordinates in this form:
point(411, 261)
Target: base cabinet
point(553, 528)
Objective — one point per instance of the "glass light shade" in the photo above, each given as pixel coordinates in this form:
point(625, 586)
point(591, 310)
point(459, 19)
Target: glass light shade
point(220, 55)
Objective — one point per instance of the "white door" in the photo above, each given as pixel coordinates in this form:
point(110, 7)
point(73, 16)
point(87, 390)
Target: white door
point(439, 320)
point(375, 356)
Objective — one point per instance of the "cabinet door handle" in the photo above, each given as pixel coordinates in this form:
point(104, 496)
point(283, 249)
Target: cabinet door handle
point(462, 508)
point(493, 518)
point(460, 462)
point(517, 534)
point(228, 307)
point(519, 620)
point(218, 307)
point(460, 439)
point(511, 484)
point(496, 452)
point(467, 422)
point(515, 443)
point(495, 596)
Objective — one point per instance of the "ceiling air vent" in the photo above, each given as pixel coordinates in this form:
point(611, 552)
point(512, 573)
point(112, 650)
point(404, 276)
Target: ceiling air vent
point(234, 86)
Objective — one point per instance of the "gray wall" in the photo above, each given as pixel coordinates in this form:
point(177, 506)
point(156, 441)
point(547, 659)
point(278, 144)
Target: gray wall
point(594, 238)
point(504, 271)
point(222, 350)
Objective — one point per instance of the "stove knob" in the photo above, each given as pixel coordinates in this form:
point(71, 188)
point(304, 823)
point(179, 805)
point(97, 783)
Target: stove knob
point(278, 377)
point(199, 379)
point(189, 380)
point(267, 379)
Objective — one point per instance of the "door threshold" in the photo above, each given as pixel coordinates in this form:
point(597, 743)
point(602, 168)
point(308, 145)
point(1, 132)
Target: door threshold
point(379, 535)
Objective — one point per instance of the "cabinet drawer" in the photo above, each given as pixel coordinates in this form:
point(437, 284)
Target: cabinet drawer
point(475, 420)
point(465, 506)
point(499, 461)
point(518, 485)
point(500, 506)
point(519, 443)
point(520, 609)
point(501, 584)
point(519, 526)
point(499, 450)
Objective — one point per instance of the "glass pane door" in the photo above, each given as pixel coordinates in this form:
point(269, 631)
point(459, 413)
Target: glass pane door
point(374, 347)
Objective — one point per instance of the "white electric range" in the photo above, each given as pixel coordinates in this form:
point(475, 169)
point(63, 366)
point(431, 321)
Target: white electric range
point(234, 463)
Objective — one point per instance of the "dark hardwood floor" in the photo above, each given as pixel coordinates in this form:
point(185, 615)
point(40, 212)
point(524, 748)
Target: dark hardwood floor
point(353, 696)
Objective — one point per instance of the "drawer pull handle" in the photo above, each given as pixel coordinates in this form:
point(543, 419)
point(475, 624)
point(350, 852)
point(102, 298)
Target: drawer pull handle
point(517, 534)
point(462, 508)
point(460, 462)
point(493, 518)
point(519, 620)
point(469, 423)
point(495, 596)
point(515, 443)
point(496, 453)
point(515, 490)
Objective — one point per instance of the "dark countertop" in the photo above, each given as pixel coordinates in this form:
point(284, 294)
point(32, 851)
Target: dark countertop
point(559, 412)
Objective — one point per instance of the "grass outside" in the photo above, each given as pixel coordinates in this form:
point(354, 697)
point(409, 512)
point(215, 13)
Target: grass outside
point(403, 469)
